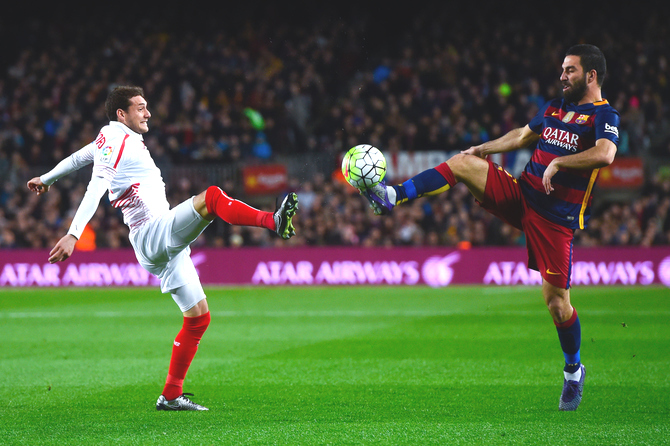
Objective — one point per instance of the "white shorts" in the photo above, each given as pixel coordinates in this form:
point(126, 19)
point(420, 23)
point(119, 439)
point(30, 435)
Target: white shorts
point(162, 248)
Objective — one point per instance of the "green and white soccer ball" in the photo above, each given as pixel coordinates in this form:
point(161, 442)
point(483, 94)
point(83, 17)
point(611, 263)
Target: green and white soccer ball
point(364, 166)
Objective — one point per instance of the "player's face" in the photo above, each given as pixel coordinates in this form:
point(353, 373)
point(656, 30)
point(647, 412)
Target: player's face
point(573, 79)
point(137, 116)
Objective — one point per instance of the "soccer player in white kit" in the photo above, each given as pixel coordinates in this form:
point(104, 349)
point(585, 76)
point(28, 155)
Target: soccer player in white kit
point(160, 236)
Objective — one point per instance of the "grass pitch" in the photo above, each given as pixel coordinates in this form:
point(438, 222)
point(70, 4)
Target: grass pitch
point(340, 365)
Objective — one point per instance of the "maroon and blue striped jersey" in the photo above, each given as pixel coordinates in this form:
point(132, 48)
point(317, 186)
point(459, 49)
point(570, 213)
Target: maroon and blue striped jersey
point(564, 129)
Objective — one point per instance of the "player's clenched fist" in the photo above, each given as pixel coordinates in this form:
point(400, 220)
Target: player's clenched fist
point(36, 185)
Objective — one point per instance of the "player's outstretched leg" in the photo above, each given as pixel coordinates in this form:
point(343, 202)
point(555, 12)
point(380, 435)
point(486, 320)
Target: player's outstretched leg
point(217, 202)
point(283, 216)
point(383, 198)
point(182, 402)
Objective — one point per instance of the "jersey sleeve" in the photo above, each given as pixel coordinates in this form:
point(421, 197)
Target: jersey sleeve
point(108, 154)
point(76, 161)
point(537, 123)
point(607, 126)
point(89, 204)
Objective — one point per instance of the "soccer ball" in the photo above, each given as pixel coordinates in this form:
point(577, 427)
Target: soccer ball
point(364, 166)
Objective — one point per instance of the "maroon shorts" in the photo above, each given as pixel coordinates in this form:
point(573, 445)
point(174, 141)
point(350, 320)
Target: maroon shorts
point(549, 244)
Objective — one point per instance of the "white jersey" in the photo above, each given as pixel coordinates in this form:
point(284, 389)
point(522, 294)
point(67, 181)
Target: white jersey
point(126, 168)
point(136, 185)
point(123, 166)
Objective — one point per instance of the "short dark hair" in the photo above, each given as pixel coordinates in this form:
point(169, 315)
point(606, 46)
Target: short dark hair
point(119, 98)
point(591, 58)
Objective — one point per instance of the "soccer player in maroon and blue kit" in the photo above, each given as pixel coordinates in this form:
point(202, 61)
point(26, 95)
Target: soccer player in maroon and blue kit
point(574, 136)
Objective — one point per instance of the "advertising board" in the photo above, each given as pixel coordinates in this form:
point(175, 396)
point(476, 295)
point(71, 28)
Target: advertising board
point(306, 266)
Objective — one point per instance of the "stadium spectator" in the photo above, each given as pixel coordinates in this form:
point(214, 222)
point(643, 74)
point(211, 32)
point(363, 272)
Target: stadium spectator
point(428, 86)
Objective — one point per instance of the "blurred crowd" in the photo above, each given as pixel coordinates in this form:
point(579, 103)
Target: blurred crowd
point(254, 90)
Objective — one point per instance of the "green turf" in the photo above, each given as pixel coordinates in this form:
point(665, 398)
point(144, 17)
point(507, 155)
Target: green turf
point(381, 365)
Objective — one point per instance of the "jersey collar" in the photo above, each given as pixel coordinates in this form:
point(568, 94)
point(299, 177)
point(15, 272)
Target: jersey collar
point(126, 129)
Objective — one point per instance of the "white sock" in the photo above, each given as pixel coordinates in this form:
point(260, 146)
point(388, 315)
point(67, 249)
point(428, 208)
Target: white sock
point(391, 193)
point(574, 376)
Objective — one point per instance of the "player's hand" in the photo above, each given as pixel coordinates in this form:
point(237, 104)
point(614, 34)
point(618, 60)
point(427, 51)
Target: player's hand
point(549, 173)
point(474, 150)
point(36, 185)
point(63, 249)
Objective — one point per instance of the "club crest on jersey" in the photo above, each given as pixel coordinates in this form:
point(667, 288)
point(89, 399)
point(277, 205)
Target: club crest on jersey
point(106, 153)
point(581, 119)
point(568, 117)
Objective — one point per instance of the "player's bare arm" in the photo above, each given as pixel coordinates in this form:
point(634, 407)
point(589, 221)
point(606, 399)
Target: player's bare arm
point(472, 171)
point(600, 155)
point(513, 140)
point(36, 185)
point(63, 249)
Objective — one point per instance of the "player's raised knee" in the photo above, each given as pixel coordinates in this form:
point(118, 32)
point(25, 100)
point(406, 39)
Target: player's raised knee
point(466, 166)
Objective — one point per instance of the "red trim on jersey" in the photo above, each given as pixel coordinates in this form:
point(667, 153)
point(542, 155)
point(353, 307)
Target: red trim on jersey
point(123, 144)
point(544, 158)
point(554, 112)
point(131, 191)
point(588, 122)
point(579, 172)
point(573, 196)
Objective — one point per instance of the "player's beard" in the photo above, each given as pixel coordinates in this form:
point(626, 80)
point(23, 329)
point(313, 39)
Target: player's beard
point(576, 92)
